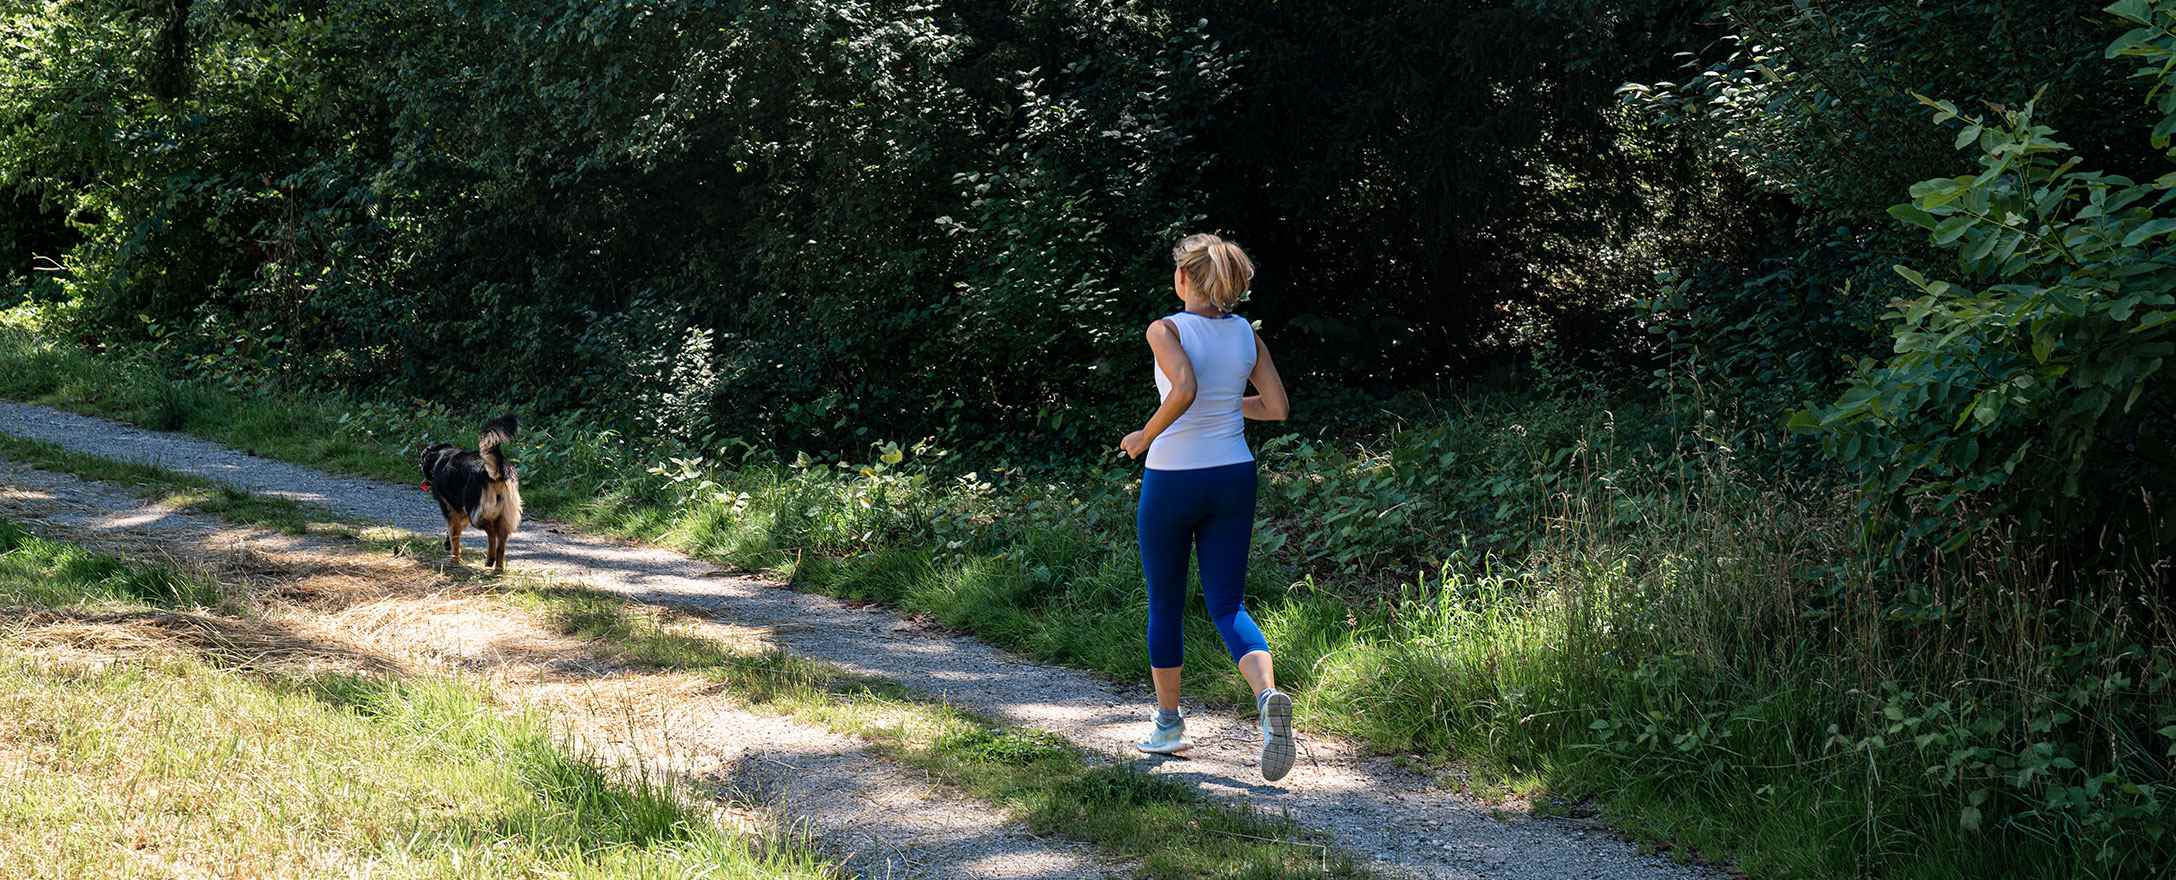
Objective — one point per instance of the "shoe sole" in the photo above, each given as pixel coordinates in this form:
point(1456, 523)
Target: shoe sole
point(1277, 748)
point(1182, 748)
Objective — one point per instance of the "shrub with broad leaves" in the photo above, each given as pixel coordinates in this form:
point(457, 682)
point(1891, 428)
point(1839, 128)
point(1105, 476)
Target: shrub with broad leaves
point(2030, 378)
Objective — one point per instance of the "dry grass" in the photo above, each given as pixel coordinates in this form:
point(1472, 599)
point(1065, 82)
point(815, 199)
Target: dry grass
point(259, 645)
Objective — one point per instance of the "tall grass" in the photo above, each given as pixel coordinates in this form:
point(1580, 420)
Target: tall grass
point(1732, 654)
point(1589, 601)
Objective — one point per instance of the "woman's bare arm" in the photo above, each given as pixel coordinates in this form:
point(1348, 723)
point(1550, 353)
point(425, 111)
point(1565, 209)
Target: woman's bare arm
point(1172, 360)
point(1269, 405)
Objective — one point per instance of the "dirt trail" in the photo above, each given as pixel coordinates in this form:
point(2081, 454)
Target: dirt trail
point(1395, 821)
point(880, 819)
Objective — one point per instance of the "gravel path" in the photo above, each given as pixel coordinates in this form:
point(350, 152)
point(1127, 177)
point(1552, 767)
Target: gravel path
point(879, 819)
point(1395, 821)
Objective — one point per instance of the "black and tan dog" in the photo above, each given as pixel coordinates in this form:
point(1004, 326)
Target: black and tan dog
point(476, 489)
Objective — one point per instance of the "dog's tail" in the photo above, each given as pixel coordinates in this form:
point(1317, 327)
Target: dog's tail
point(496, 434)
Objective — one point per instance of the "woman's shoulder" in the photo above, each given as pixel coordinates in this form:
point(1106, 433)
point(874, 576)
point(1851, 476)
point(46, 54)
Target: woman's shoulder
point(1233, 317)
point(1177, 323)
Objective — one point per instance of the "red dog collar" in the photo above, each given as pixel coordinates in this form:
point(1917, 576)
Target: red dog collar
point(426, 485)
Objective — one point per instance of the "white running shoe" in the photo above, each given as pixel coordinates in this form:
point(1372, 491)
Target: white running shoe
point(1166, 740)
point(1277, 748)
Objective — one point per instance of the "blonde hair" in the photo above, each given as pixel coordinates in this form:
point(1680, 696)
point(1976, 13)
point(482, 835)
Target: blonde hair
point(1215, 268)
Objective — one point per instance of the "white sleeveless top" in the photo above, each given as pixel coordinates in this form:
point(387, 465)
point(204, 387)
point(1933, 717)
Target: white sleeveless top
point(1212, 432)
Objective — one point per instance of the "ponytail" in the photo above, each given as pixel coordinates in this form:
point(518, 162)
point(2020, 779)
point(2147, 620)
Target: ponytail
point(1217, 269)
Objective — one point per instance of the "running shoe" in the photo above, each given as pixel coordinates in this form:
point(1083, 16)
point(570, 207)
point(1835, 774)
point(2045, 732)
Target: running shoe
point(1277, 748)
point(1167, 739)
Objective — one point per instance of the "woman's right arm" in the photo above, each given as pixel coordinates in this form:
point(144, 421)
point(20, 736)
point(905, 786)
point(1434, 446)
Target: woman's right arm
point(1269, 405)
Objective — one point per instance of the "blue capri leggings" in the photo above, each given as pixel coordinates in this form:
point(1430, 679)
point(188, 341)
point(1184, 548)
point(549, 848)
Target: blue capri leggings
point(1209, 511)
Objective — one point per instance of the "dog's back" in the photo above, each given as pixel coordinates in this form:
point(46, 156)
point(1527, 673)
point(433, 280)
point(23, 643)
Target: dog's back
point(457, 478)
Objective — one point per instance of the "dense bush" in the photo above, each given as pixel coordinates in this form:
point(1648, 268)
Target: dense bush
point(2034, 384)
point(756, 211)
point(802, 220)
point(1804, 111)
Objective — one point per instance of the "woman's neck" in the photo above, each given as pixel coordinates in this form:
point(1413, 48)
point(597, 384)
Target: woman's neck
point(1205, 310)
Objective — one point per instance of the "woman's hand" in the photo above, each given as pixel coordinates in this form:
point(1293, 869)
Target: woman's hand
point(1135, 444)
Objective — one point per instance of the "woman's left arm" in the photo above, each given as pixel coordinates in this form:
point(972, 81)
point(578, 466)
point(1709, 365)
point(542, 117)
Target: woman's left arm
point(1270, 404)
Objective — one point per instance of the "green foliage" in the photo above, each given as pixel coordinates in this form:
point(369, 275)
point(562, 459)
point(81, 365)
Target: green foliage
point(1766, 336)
point(695, 239)
point(1482, 481)
point(1799, 128)
point(1814, 100)
point(2034, 379)
point(802, 222)
point(1435, 184)
point(605, 209)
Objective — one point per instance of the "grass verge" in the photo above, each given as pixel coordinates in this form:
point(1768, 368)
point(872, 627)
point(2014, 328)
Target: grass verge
point(167, 763)
point(170, 766)
point(194, 494)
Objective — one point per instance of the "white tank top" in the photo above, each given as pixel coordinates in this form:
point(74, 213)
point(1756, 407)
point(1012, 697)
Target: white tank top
point(1213, 431)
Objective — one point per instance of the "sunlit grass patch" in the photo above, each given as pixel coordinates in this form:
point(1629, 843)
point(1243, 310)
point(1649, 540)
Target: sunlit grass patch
point(37, 573)
point(144, 733)
point(172, 767)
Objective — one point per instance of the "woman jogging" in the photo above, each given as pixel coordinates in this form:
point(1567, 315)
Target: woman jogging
point(1197, 492)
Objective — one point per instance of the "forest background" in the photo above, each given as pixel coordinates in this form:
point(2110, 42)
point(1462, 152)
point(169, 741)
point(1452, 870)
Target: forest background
point(1719, 408)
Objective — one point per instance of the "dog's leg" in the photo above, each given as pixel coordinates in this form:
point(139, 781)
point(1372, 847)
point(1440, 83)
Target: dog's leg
point(498, 550)
point(453, 538)
point(451, 516)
